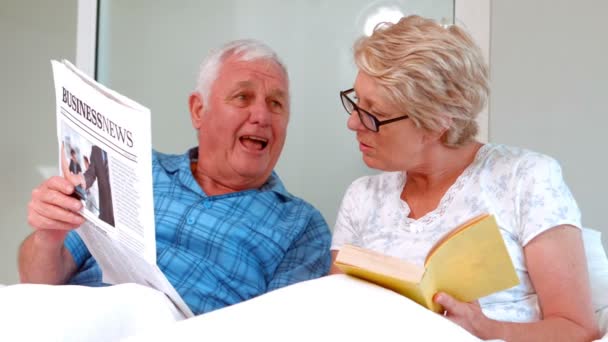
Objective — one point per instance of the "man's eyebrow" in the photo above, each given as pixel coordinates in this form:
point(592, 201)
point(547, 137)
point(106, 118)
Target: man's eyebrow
point(279, 93)
point(238, 87)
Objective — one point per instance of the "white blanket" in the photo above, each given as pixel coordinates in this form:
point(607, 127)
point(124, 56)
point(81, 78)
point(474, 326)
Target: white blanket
point(330, 308)
point(78, 313)
point(334, 308)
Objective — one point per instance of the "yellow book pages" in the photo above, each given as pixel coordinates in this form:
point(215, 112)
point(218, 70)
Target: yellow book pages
point(427, 290)
point(379, 263)
point(472, 263)
point(409, 289)
point(386, 271)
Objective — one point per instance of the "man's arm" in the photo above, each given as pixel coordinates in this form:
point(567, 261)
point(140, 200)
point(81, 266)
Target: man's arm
point(44, 261)
point(52, 214)
point(307, 258)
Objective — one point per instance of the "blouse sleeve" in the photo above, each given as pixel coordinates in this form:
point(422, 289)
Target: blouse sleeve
point(346, 229)
point(542, 198)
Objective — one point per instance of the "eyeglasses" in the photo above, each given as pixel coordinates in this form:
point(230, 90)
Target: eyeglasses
point(368, 119)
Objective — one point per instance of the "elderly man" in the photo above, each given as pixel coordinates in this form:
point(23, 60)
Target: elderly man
point(227, 229)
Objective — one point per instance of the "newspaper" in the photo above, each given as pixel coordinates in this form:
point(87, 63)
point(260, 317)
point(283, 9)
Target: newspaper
point(105, 150)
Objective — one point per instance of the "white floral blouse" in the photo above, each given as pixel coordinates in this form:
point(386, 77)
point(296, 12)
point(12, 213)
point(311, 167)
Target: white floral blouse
point(523, 189)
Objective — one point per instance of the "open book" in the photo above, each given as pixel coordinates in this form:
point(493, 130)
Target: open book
point(468, 263)
point(105, 151)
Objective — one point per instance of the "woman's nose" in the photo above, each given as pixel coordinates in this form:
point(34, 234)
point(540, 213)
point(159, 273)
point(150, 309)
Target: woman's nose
point(354, 122)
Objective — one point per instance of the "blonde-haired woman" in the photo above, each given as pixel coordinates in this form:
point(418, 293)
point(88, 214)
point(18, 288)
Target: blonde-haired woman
point(418, 91)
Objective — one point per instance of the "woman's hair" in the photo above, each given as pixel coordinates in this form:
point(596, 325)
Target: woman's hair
point(245, 49)
point(436, 73)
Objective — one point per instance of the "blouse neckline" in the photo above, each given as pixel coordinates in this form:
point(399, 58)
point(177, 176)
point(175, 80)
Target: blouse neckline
point(418, 224)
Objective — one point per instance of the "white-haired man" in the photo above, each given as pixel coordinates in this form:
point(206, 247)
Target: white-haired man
point(227, 230)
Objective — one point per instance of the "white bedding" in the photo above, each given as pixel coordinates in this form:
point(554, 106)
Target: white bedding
point(77, 313)
point(333, 308)
point(329, 308)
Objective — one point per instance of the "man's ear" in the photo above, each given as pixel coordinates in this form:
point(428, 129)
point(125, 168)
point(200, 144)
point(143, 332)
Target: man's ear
point(196, 105)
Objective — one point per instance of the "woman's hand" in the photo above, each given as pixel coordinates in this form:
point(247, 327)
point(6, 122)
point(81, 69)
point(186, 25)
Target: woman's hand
point(467, 315)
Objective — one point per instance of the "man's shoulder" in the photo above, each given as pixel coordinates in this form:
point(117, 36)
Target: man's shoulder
point(275, 185)
point(169, 162)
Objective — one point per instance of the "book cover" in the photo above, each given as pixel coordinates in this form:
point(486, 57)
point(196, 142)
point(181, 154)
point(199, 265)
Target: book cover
point(469, 262)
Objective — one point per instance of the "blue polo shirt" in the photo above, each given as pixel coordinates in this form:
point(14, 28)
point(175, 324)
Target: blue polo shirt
point(221, 250)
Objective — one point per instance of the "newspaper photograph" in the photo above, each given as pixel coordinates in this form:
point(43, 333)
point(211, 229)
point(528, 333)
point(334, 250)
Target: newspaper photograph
point(105, 151)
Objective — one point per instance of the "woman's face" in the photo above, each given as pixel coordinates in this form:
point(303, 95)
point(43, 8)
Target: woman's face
point(396, 146)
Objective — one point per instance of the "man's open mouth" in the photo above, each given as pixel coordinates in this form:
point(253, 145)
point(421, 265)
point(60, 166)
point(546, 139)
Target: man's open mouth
point(254, 142)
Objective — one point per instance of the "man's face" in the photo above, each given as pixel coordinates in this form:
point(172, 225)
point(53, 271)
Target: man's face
point(241, 131)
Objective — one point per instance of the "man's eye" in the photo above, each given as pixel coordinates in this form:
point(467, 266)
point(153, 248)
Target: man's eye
point(276, 104)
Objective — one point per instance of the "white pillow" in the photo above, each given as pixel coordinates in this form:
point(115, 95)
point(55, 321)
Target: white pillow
point(597, 265)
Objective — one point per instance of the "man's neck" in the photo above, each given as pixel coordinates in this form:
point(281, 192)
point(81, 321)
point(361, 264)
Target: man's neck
point(212, 187)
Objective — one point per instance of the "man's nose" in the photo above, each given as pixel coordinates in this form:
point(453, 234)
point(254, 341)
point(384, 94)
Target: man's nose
point(260, 113)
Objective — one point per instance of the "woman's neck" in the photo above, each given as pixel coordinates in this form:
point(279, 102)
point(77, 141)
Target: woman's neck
point(427, 184)
point(442, 165)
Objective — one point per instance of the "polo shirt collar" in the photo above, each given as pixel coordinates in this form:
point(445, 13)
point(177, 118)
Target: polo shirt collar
point(182, 164)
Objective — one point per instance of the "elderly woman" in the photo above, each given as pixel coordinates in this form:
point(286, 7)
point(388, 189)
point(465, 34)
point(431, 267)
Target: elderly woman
point(418, 91)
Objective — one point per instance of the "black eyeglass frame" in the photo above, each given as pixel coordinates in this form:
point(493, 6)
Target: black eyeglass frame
point(361, 112)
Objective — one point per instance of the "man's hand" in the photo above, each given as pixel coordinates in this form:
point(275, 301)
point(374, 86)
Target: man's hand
point(467, 315)
point(52, 212)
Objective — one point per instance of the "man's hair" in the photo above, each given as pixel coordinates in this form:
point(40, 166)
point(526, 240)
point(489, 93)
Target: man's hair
point(244, 50)
point(435, 73)
point(72, 151)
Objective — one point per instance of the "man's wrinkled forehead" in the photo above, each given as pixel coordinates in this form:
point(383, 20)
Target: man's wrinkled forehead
point(264, 64)
point(274, 91)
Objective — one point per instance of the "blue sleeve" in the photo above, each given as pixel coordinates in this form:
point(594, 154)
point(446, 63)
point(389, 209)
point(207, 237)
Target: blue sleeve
point(308, 257)
point(74, 244)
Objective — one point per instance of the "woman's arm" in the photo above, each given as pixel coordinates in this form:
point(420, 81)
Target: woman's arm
point(557, 268)
point(333, 269)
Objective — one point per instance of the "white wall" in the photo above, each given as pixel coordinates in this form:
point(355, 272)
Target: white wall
point(549, 69)
point(31, 33)
point(150, 51)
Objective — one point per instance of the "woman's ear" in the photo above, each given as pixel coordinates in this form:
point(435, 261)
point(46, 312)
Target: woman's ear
point(440, 134)
point(196, 105)
point(435, 136)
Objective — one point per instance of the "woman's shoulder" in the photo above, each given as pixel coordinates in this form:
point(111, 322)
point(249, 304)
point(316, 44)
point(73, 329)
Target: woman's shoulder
point(503, 156)
point(380, 182)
